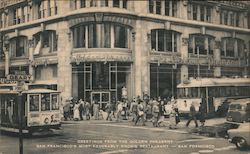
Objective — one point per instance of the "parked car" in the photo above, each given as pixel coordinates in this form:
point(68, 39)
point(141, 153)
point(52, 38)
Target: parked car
point(239, 111)
point(240, 136)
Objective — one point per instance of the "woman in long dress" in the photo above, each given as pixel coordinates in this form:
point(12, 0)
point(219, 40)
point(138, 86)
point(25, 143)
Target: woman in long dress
point(76, 115)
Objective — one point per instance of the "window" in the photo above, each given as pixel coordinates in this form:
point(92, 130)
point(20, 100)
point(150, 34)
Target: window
point(229, 17)
point(228, 46)
point(194, 12)
point(99, 36)
point(200, 44)
point(158, 7)
point(116, 3)
point(48, 40)
point(199, 12)
point(167, 7)
point(38, 73)
point(93, 3)
point(45, 102)
point(248, 20)
point(82, 3)
point(121, 36)
point(170, 7)
point(151, 6)
point(164, 40)
point(104, 3)
point(124, 4)
point(34, 102)
point(202, 11)
point(79, 37)
point(208, 15)
point(18, 46)
point(225, 17)
point(54, 70)
point(54, 101)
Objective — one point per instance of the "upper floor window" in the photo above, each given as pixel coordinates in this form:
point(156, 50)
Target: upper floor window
point(201, 44)
point(231, 47)
point(82, 3)
point(45, 8)
point(166, 7)
point(164, 40)
point(46, 39)
point(199, 12)
point(228, 17)
point(100, 35)
point(18, 15)
point(116, 3)
point(45, 73)
point(18, 46)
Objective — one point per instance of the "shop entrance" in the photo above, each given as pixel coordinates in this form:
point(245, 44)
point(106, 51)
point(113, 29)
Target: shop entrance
point(100, 97)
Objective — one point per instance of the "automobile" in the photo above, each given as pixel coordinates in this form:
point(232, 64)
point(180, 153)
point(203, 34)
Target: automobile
point(239, 111)
point(240, 136)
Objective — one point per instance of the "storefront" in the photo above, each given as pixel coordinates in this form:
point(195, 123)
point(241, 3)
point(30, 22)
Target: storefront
point(164, 79)
point(101, 81)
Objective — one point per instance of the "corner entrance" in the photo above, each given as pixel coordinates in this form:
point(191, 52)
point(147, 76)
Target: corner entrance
point(101, 97)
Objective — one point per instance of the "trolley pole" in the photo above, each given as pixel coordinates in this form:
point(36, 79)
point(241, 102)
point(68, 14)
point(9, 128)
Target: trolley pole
point(20, 77)
point(20, 109)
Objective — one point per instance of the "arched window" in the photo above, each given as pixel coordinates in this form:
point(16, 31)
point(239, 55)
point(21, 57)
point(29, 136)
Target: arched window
point(46, 39)
point(101, 35)
point(18, 46)
point(232, 47)
point(201, 44)
point(164, 40)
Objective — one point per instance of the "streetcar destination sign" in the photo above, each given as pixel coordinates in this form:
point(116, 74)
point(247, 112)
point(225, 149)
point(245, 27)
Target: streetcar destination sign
point(19, 77)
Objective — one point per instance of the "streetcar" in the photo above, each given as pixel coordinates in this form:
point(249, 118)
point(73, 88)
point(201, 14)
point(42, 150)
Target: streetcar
point(40, 108)
point(216, 93)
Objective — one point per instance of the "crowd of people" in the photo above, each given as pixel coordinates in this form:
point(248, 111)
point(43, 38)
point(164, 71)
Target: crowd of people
point(136, 110)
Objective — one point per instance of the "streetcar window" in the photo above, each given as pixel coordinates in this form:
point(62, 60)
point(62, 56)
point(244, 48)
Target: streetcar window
point(45, 102)
point(54, 101)
point(34, 102)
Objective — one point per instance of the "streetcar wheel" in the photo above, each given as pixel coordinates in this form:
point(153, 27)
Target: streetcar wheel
point(241, 143)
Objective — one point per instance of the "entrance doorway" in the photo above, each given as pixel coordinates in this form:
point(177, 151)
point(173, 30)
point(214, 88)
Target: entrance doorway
point(101, 97)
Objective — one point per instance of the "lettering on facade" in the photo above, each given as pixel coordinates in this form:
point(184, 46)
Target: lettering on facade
point(103, 58)
point(43, 62)
point(19, 77)
point(5, 81)
point(195, 61)
point(100, 17)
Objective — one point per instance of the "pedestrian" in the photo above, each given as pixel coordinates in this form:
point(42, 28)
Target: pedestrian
point(119, 111)
point(96, 110)
point(155, 113)
point(140, 113)
point(108, 109)
point(202, 111)
point(174, 118)
point(76, 113)
point(66, 111)
point(133, 109)
point(87, 110)
point(192, 115)
point(161, 112)
point(81, 108)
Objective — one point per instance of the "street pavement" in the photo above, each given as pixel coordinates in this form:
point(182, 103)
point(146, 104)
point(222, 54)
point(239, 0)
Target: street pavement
point(110, 137)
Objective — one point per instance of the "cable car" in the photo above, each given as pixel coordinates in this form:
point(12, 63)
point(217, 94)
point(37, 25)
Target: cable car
point(40, 108)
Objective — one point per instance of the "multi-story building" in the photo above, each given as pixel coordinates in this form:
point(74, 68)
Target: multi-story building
point(91, 49)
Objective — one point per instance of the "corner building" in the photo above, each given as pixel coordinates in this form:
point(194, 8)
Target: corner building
point(90, 49)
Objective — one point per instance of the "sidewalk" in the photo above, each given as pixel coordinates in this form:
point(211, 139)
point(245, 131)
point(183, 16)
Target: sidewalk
point(182, 124)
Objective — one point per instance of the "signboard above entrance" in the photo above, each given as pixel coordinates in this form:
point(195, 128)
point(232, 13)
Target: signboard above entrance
point(19, 76)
